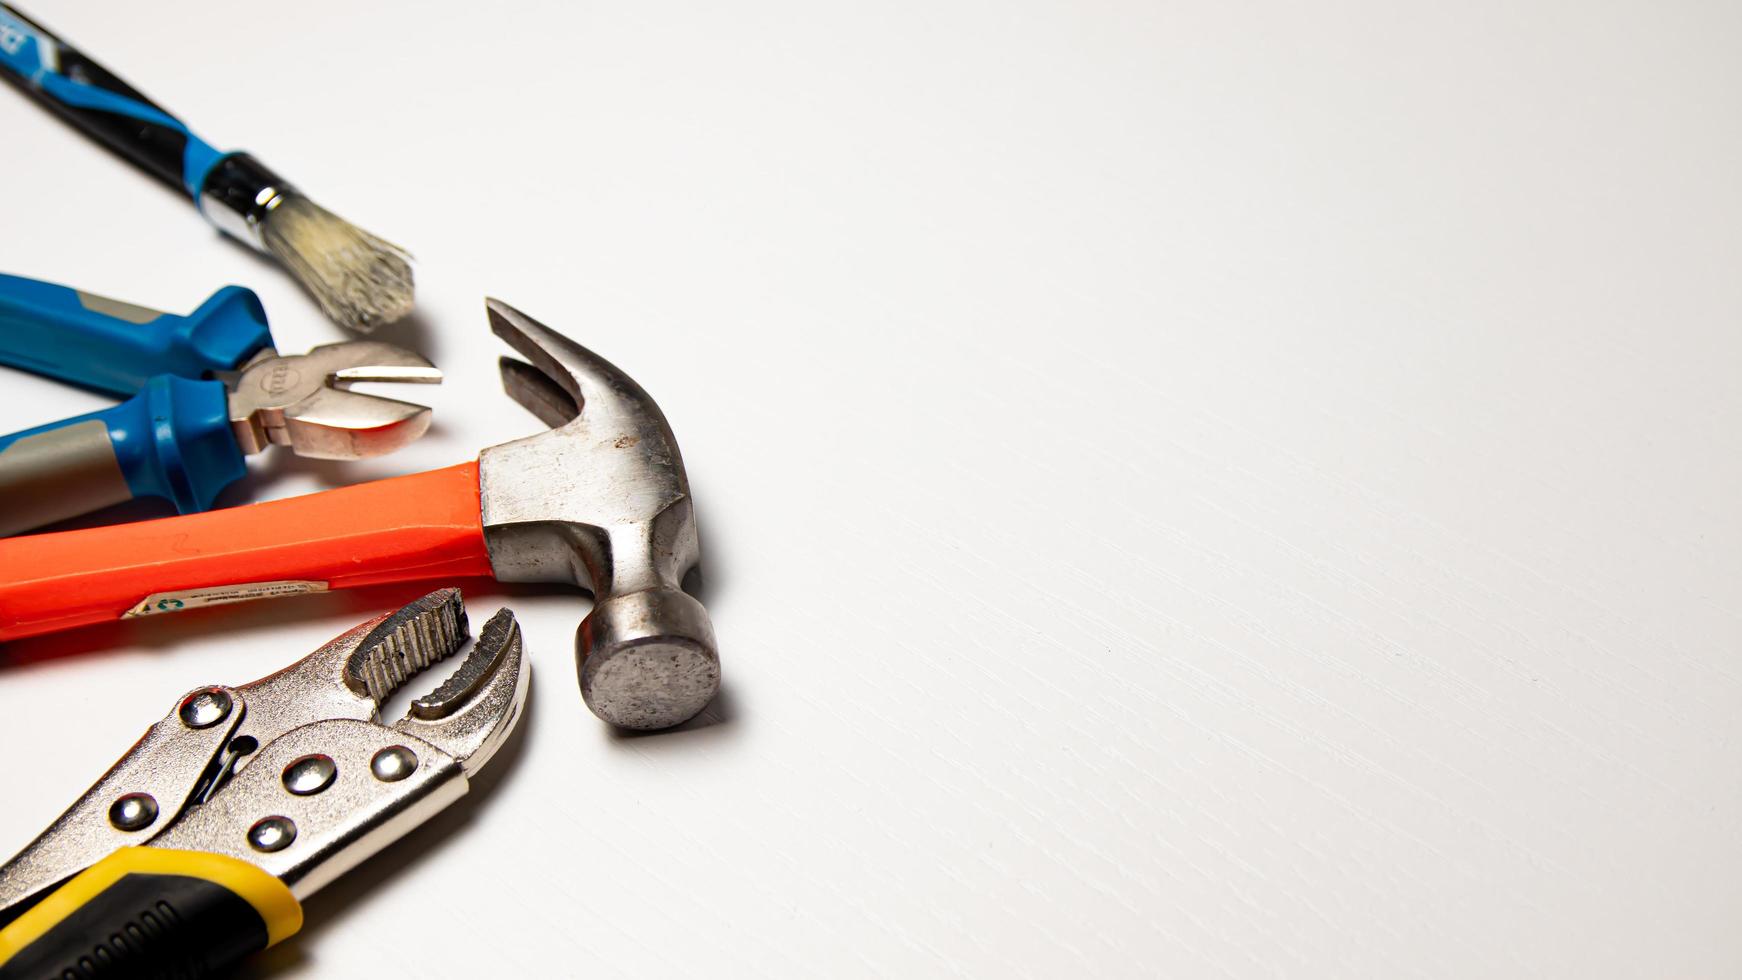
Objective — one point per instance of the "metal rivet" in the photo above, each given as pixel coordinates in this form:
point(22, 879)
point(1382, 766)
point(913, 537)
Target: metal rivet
point(205, 708)
point(310, 774)
point(272, 834)
point(393, 763)
point(135, 811)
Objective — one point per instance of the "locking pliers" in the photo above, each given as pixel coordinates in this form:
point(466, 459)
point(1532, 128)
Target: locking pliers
point(196, 848)
point(208, 388)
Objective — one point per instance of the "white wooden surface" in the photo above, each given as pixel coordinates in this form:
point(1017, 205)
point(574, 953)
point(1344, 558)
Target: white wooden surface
point(1189, 489)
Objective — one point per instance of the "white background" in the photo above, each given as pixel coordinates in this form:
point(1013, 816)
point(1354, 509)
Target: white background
point(1188, 489)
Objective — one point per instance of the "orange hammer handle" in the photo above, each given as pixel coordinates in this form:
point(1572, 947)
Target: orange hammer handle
point(424, 526)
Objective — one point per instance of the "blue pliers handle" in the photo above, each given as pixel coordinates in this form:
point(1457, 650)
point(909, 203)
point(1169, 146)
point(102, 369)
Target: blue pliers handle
point(172, 439)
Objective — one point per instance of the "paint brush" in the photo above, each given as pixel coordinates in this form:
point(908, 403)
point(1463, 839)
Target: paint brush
point(359, 280)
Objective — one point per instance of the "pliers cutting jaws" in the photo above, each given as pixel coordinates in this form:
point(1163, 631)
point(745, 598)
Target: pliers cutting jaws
point(196, 848)
point(207, 389)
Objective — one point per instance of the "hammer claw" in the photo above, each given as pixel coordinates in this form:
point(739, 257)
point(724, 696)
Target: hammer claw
point(534, 341)
point(537, 393)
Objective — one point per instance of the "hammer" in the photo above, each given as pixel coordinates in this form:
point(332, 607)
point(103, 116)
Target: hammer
point(599, 500)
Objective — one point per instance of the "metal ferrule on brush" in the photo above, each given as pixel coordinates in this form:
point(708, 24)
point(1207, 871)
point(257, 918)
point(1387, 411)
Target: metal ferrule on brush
point(239, 195)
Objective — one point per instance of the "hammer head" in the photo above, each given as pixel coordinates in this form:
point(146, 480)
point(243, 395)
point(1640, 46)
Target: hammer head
point(601, 501)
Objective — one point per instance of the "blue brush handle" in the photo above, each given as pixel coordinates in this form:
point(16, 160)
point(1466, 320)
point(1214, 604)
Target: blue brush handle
point(172, 440)
point(106, 108)
point(87, 340)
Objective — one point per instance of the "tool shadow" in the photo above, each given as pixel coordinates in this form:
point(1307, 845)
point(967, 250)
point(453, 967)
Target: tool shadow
point(323, 910)
point(412, 331)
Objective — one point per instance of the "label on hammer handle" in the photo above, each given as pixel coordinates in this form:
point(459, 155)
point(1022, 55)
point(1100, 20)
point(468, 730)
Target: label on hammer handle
point(167, 602)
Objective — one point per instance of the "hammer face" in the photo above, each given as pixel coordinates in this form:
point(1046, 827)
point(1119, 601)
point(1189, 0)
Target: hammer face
point(602, 501)
point(647, 659)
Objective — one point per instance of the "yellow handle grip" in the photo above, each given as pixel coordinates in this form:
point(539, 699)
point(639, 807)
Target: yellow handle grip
point(147, 911)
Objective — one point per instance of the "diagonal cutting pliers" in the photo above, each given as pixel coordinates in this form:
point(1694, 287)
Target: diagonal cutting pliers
point(197, 848)
point(207, 389)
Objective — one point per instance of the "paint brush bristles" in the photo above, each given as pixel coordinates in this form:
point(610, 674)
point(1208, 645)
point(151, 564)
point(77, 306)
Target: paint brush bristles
point(359, 280)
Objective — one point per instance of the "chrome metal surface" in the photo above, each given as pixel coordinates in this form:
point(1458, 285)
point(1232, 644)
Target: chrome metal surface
point(271, 834)
point(363, 811)
point(328, 684)
point(303, 401)
point(238, 195)
point(294, 771)
point(601, 501)
point(310, 774)
point(219, 771)
point(166, 763)
point(134, 811)
point(501, 635)
point(393, 763)
point(471, 722)
point(184, 760)
point(335, 830)
point(404, 643)
point(205, 707)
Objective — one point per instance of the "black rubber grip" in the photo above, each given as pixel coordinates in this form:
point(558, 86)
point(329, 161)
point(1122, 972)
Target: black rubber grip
point(145, 927)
